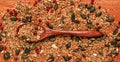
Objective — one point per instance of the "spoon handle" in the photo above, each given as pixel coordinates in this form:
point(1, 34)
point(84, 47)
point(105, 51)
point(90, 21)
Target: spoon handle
point(88, 33)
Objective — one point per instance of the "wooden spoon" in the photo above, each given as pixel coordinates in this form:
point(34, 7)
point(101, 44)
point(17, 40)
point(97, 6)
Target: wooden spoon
point(50, 32)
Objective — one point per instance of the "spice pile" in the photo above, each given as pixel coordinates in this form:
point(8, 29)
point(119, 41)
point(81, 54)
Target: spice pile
point(59, 15)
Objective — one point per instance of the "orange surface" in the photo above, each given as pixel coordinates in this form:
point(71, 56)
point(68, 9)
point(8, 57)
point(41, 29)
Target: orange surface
point(112, 6)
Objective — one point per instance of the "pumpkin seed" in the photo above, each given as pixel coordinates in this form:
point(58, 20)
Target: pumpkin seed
point(55, 6)
point(72, 17)
point(13, 18)
point(91, 8)
point(6, 55)
point(83, 16)
point(27, 50)
point(109, 19)
point(1, 48)
point(115, 31)
point(98, 14)
point(24, 56)
point(17, 51)
point(68, 45)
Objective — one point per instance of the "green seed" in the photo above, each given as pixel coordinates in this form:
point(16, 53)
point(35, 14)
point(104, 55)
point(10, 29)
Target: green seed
point(27, 50)
point(52, 38)
point(68, 45)
point(6, 55)
point(24, 37)
point(24, 19)
point(83, 16)
point(1, 38)
point(17, 51)
point(66, 58)
point(91, 8)
point(98, 14)
point(76, 21)
point(109, 19)
point(104, 36)
point(82, 47)
point(72, 17)
point(115, 52)
point(50, 26)
point(107, 44)
point(55, 6)
point(114, 42)
point(13, 18)
point(77, 39)
point(97, 28)
point(24, 56)
point(33, 46)
point(51, 58)
point(101, 38)
point(115, 31)
point(89, 24)
point(117, 45)
point(1, 48)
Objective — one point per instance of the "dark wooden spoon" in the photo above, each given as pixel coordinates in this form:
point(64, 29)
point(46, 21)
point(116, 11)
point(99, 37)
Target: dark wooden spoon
point(50, 32)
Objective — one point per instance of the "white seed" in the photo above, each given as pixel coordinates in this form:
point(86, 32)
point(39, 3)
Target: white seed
point(41, 51)
point(54, 46)
point(94, 54)
point(49, 0)
point(60, 25)
point(117, 49)
point(38, 37)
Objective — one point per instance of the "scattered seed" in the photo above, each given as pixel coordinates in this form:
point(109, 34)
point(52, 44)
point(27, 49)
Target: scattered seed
point(68, 45)
point(24, 56)
point(109, 19)
point(77, 39)
point(98, 14)
point(82, 47)
point(51, 58)
point(83, 16)
point(72, 17)
point(55, 6)
point(6, 55)
point(52, 38)
point(13, 18)
point(115, 31)
point(91, 8)
point(17, 51)
point(1, 48)
point(66, 58)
